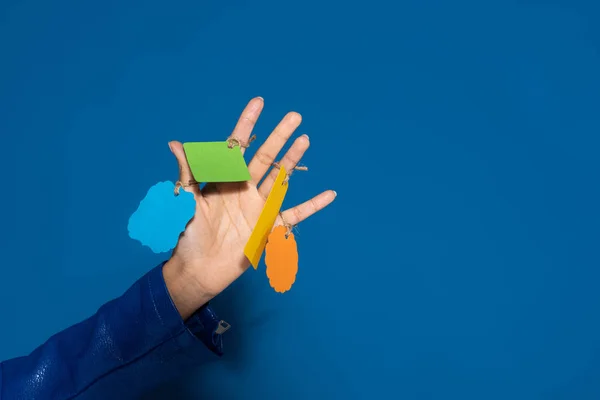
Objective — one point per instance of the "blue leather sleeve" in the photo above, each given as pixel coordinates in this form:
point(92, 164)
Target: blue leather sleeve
point(131, 344)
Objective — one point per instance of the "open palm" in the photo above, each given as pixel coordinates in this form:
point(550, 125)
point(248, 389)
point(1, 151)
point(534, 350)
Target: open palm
point(211, 249)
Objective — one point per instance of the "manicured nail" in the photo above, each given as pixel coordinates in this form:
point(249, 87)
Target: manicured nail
point(306, 136)
point(334, 193)
point(258, 97)
point(170, 148)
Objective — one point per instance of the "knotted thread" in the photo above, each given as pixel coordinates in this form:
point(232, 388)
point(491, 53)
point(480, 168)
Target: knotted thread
point(277, 165)
point(179, 185)
point(287, 225)
point(233, 141)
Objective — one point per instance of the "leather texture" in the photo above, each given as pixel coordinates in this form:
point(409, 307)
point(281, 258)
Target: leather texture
point(132, 344)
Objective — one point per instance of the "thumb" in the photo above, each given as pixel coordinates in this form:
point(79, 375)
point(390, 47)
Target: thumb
point(185, 173)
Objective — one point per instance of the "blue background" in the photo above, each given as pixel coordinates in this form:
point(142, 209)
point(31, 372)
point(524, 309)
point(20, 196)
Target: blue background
point(460, 259)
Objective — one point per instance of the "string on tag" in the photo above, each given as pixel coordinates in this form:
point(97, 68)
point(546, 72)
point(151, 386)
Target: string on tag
point(289, 227)
point(233, 141)
point(179, 185)
point(277, 165)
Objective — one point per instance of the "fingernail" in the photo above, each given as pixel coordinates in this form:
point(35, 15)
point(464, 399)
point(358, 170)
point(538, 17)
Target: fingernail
point(258, 97)
point(306, 136)
point(170, 148)
point(334, 193)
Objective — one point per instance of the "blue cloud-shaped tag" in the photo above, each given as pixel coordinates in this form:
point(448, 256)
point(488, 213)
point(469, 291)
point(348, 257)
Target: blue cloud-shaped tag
point(161, 217)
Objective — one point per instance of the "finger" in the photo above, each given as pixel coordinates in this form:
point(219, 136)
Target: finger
point(185, 173)
point(245, 125)
point(291, 158)
point(302, 211)
point(265, 155)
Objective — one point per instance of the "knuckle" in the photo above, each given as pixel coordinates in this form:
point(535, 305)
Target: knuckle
point(279, 132)
point(289, 161)
point(297, 214)
point(249, 118)
point(264, 158)
point(314, 205)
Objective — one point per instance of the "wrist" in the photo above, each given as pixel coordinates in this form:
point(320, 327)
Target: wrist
point(185, 292)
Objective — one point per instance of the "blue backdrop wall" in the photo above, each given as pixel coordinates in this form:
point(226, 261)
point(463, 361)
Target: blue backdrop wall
point(460, 259)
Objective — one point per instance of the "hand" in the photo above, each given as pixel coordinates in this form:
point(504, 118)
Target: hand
point(210, 252)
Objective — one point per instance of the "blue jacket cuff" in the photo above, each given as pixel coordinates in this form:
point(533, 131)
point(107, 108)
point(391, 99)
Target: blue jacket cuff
point(203, 325)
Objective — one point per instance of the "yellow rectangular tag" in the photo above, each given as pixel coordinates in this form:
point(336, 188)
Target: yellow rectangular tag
point(258, 239)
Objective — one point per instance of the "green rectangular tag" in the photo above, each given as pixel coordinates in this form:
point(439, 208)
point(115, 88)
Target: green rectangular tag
point(216, 162)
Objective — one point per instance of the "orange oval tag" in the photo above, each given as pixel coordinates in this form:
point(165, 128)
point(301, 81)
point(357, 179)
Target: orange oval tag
point(281, 259)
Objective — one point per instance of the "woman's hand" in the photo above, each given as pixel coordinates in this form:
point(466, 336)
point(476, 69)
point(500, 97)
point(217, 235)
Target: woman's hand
point(210, 253)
